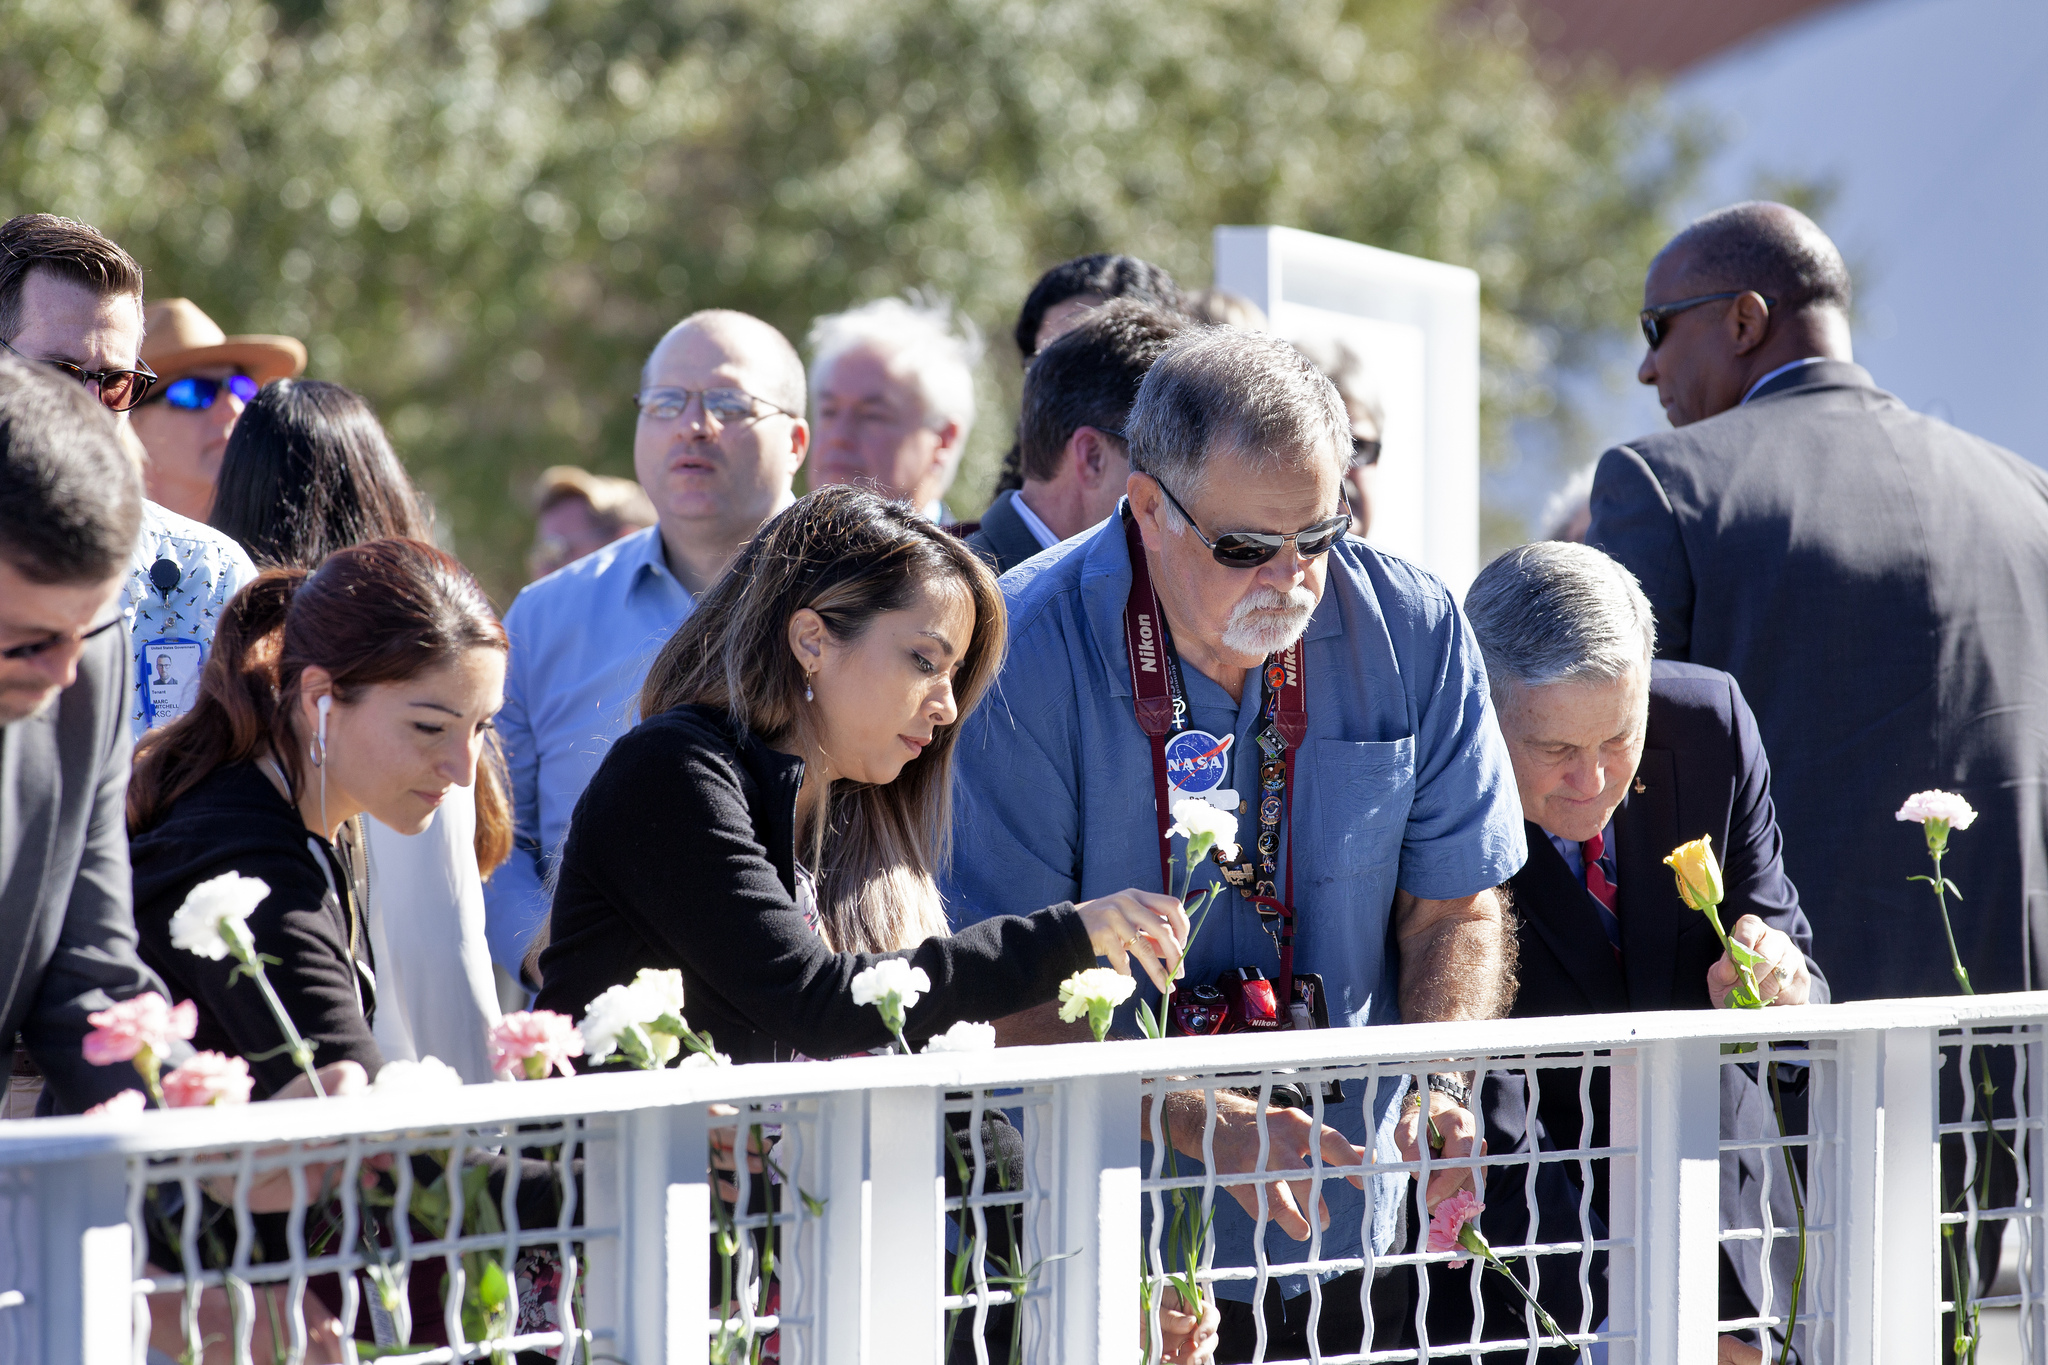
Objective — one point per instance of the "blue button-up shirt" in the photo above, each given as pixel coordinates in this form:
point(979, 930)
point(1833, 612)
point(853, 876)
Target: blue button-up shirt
point(1402, 781)
point(582, 639)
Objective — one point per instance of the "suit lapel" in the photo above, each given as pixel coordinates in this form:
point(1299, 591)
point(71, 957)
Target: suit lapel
point(1645, 830)
point(28, 831)
point(1560, 908)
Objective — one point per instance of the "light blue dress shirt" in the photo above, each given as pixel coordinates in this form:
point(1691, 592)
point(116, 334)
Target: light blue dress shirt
point(1403, 781)
point(582, 639)
point(212, 567)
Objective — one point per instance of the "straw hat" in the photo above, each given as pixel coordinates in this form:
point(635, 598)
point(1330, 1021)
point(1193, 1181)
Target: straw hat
point(178, 338)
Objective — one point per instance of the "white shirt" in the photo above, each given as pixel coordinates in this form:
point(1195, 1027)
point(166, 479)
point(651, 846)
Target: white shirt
point(1792, 365)
point(211, 568)
point(1039, 530)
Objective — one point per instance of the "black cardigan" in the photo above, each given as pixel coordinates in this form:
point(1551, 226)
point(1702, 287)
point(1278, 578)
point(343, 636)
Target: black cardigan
point(682, 854)
point(235, 821)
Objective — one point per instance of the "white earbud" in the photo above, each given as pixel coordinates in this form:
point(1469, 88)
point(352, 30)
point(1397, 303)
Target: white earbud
point(323, 705)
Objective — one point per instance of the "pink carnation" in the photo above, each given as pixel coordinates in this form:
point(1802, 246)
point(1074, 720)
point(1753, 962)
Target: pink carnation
point(122, 1031)
point(209, 1078)
point(121, 1105)
point(1921, 807)
point(1449, 1221)
point(530, 1044)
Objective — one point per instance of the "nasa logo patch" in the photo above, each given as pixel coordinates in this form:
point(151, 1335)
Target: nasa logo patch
point(1197, 762)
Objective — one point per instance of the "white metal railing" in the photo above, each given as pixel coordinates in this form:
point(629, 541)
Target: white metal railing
point(903, 1214)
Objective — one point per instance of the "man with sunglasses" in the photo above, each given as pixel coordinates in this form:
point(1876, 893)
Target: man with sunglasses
point(204, 380)
point(719, 441)
point(1223, 640)
point(70, 503)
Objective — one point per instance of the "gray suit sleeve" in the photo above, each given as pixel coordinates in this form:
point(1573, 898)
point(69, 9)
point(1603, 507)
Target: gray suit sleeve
point(1633, 521)
point(96, 962)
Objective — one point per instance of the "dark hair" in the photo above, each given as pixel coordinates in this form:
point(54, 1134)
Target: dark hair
point(307, 471)
point(1089, 378)
point(66, 248)
point(848, 555)
point(1771, 248)
point(1105, 275)
point(70, 495)
point(380, 612)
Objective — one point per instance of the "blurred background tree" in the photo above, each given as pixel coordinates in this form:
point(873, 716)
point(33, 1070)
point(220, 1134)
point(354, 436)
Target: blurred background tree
point(481, 213)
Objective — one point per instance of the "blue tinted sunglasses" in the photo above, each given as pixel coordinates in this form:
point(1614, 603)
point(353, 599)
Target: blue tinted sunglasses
point(195, 394)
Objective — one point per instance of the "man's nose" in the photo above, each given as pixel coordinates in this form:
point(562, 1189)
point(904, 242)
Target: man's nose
point(60, 664)
point(1284, 571)
point(1646, 373)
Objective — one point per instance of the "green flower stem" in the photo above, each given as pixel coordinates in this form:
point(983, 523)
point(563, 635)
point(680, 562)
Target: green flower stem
point(1474, 1241)
point(1799, 1208)
point(1745, 995)
point(300, 1052)
point(1955, 959)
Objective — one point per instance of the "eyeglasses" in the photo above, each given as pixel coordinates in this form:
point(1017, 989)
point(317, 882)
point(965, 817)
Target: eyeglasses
point(195, 393)
point(120, 390)
point(35, 647)
point(1364, 452)
point(723, 406)
point(1249, 549)
point(1653, 319)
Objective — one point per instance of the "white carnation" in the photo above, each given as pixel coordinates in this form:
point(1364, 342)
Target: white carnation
point(965, 1036)
point(615, 1012)
point(1921, 807)
point(428, 1075)
point(891, 978)
point(214, 918)
point(1192, 818)
point(697, 1060)
point(1095, 988)
point(664, 987)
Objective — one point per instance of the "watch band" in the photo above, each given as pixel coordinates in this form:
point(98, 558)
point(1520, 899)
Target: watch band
point(1451, 1087)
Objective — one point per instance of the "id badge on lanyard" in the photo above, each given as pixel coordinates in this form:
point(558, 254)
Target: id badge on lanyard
point(1187, 762)
point(170, 669)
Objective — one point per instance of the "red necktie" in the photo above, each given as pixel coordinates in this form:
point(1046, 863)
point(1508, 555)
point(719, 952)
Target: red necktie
point(1596, 878)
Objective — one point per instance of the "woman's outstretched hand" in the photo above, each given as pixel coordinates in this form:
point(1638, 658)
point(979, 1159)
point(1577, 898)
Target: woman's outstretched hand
point(1145, 925)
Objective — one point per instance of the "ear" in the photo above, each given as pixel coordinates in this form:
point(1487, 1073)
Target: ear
point(799, 443)
point(315, 683)
point(1749, 318)
point(1149, 507)
point(807, 636)
point(1088, 452)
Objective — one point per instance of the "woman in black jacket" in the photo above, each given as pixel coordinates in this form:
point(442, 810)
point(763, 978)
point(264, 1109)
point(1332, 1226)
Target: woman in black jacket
point(773, 826)
point(365, 687)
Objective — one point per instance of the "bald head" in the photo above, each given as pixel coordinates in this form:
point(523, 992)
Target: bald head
point(775, 370)
point(1771, 248)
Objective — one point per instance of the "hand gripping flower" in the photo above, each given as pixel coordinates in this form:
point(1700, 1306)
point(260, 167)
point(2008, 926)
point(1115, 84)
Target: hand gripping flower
point(1455, 1227)
point(1095, 993)
point(214, 923)
point(1699, 886)
point(643, 1022)
point(140, 1030)
point(893, 987)
point(1206, 830)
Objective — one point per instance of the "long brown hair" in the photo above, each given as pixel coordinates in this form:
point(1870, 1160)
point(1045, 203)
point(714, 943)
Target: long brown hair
point(849, 556)
point(379, 612)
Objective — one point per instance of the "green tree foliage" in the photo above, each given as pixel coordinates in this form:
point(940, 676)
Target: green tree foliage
point(481, 213)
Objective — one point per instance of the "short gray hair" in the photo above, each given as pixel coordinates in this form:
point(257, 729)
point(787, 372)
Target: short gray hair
point(1247, 391)
point(922, 338)
point(1555, 612)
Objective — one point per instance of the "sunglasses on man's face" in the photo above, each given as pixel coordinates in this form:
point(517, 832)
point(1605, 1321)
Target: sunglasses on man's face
point(1654, 318)
point(195, 393)
point(120, 390)
point(1249, 549)
point(723, 406)
point(44, 646)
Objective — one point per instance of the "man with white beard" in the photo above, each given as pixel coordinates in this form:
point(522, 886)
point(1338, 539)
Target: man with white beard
point(1223, 639)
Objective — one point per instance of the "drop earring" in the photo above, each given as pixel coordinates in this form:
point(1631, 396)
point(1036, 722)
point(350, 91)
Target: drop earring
point(807, 687)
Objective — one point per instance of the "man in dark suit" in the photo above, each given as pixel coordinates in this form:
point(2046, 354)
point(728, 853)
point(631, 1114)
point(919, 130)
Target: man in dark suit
point(70, 506)
point(1873, 578)
point(1076, 395)
point(1618, 761)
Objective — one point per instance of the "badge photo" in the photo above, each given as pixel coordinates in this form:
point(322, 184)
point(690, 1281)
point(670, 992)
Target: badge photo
point(1198, 764)
point(169, 671)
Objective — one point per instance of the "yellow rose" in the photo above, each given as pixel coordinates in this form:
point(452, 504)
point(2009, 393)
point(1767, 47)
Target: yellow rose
point(1698, 872)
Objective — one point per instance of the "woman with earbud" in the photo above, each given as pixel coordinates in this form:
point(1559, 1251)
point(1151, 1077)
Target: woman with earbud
point(773, 826)
point(367, 686)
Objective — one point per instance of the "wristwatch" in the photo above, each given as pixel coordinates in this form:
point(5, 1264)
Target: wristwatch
point(1449, 1086)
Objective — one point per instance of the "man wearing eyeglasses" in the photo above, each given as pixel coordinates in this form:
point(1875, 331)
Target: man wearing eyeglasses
point(720, 437)
point(70, 503)
point(71, 298)
point(1222, 640)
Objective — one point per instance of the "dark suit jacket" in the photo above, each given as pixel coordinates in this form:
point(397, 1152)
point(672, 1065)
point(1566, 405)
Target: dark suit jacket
point(1703, 771)
point(1878, 583)
point(67, 939)
point(1002, 538)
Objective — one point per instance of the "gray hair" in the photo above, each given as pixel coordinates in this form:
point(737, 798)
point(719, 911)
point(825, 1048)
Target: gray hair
point(1555, 612)
point(1249, 392)
point(922, 339)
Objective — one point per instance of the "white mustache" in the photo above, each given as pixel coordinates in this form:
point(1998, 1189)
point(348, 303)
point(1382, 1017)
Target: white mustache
point(1267, 619)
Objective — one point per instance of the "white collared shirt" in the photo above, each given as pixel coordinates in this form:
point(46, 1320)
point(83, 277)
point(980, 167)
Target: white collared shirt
point(1039, 530)
point(1792, 365)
